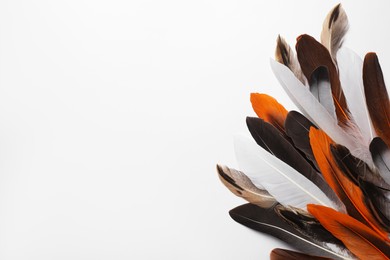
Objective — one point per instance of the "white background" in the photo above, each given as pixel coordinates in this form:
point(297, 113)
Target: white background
point(113, 115)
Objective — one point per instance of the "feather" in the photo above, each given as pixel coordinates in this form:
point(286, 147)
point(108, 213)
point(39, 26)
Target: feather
point(311, 55)
point(285, 184)
point(313, 110)
point(381, 155)
point(351, 77)
point(376, 191)
point(349, 193)
point(319, 86)
point(357, 237)
point(267, 221)
point(305, 223)
point(297, 128)
point(334, 29)
point(356, 169)
point(284, 254)
point(285, 55)
point(238, 183)
point(377, 200)
point(267, 108)
point(271, 140)
point(377, 99)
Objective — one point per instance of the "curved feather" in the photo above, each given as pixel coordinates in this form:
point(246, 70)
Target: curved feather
point(334, 29)
point(349, 193)
point(297, 128)
point(311, 55)
point(317, 114)
point(267, 108)
point(351, 77)
point(320, 88)
point(357, 237)
point(285, 184)
point(377, 99)
point(270, 139)
point(285, 55)
point(267, 221)
point(238, 183)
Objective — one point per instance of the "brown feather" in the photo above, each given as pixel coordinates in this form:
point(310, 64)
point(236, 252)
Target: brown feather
point(311, 55)
point(377, 99)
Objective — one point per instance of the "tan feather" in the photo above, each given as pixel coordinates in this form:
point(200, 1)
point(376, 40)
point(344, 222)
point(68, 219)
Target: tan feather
point(334, 29)
point(285, 55)
point(238, 183)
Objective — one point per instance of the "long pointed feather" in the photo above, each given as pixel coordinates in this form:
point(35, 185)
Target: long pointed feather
point(351, 77)
point(349, 193)
point(357, 237)
point(270, 139)
point(267, 221)
point(285, 55)
point(334, 29)
point(297, 128)
point(311, 108)
point(311, 55)
point(377, 99)
point(238, 183)
point(284, 183)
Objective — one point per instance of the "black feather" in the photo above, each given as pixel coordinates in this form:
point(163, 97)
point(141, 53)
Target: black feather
point(267, 221)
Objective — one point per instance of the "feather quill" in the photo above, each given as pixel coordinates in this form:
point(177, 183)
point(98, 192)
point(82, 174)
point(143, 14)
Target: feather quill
point(238, 183)
point(285, 184)
point(357, 237)
point(334, 29)
point(267, 221)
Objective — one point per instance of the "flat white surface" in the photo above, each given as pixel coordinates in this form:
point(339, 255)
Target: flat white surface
point(113, 115)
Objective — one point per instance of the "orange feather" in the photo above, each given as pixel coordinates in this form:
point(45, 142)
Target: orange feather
point(357, 237)
point(268, 109)
point(349, 193)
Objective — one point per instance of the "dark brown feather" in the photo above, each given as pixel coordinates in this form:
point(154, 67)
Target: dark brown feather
point(311, 55)
point(377, 99)
point(267, 221)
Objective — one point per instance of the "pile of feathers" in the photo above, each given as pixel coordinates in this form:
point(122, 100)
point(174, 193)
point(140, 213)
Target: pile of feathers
point(318, 179)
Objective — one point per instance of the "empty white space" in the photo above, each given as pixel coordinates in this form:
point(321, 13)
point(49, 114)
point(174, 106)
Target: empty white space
point(114, 113)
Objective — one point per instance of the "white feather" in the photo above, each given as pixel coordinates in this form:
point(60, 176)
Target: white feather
point(315, 112)
point(351, 77)
point(283, 182)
